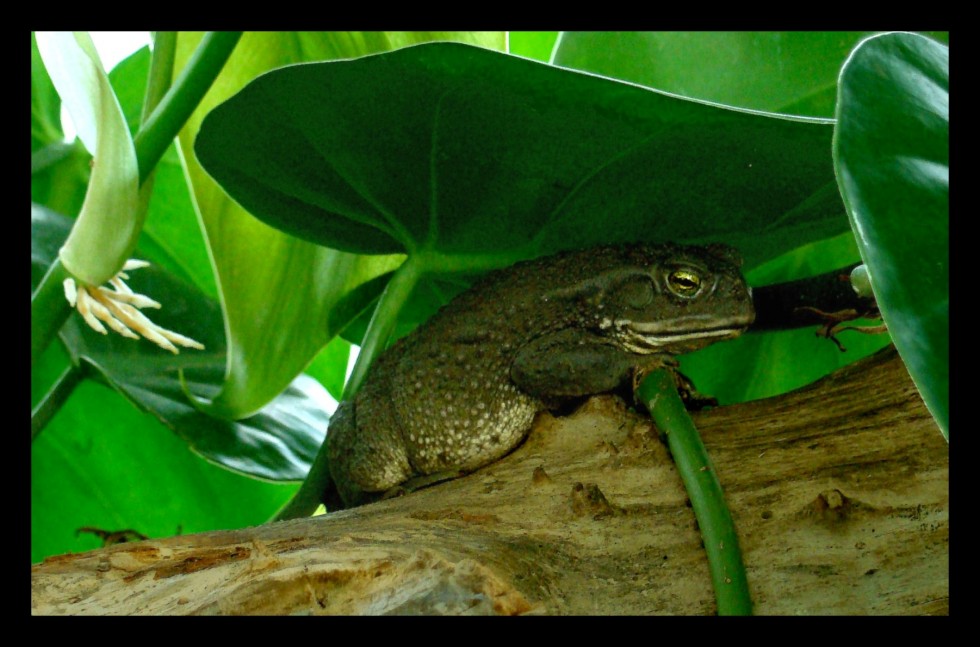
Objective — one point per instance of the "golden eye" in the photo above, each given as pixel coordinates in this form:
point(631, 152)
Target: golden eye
point(684, 283)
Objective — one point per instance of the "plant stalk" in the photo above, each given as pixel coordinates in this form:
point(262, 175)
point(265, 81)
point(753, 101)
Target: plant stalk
point(659, 393)
point(383, 321)
point(163, 124)
point(161, 72)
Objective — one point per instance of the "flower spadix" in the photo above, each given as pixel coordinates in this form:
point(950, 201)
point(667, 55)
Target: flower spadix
point(119, 308)
point(107, 228)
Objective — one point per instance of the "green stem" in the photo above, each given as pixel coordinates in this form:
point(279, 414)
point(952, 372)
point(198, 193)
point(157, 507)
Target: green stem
point(157, 85)
point(392, 300)
point(659, 393)
point(161, 72)
point(183, 98)
point(383, 320)
point(49, 309)
point(42, 414)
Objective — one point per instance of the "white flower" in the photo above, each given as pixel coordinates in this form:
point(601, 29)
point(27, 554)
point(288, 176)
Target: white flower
point(119, 309)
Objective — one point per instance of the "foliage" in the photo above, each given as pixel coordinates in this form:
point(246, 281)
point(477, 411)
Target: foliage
point(421, 168)
point(892, 155)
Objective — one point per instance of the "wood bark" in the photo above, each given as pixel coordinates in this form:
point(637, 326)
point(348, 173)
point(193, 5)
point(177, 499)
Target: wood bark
point(839, 492)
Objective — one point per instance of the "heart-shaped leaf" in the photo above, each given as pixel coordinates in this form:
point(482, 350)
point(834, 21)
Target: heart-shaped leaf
point(892, 155)
point(465, 151)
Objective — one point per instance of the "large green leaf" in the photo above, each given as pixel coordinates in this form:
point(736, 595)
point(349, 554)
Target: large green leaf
point(277, 292)
point(465, 152)
point(518, 159)
point(789, 72)
point(892, 154)
point(276, 443)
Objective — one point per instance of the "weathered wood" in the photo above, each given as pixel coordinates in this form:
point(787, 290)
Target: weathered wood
point(839, 492)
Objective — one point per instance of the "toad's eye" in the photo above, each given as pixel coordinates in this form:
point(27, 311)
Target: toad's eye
point(684, 283)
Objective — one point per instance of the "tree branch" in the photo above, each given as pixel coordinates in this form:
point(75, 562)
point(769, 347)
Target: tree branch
point(839, 492)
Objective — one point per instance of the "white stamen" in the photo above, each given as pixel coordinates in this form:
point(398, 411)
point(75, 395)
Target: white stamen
point(71, 294)
point(119, 309)
point(85, 311)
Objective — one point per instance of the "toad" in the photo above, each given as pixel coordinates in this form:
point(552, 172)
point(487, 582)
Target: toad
point(462, 390)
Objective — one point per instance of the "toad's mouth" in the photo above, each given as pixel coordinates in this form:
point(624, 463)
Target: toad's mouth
point(639, 342)
point(646, 338)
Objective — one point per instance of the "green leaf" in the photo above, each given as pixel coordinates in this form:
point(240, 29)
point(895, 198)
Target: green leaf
point(276, 443)
point(60, 176)
point(788, 72)
point(277, 292)
point(532, 44)
point(891, 151)
point(102, 463)
point(172, 236)
point(106, 230)
point(45, 104)
point(466, 153)
point(329, 367)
